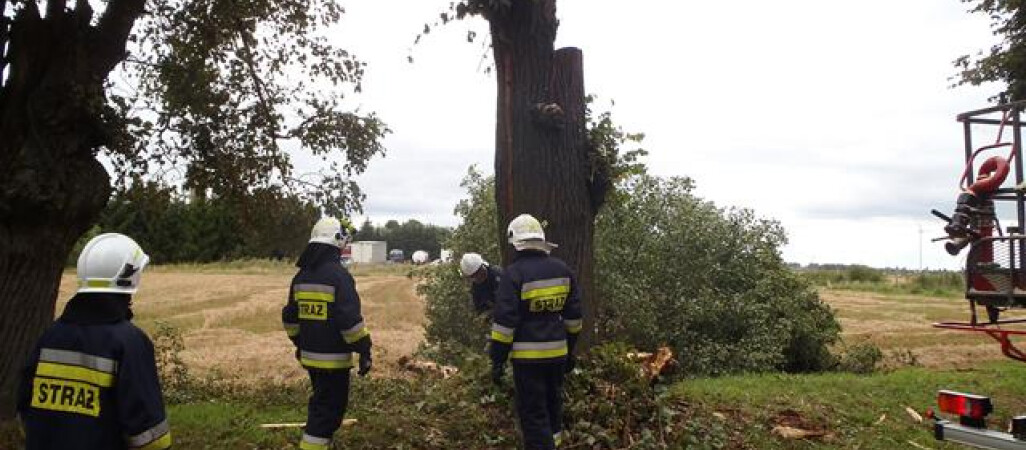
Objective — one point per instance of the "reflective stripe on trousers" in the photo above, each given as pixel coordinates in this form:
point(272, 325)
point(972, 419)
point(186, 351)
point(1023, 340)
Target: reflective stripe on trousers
point(539, 350)
point(313, 442)
point(326, 360)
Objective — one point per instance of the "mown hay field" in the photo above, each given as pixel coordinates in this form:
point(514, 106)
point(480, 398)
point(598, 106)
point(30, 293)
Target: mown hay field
point(901, 325)
point(230, 316)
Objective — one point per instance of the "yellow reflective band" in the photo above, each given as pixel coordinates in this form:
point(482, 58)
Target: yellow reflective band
point(49, 369)
point(159, 444)
point(538, 354)
point(500, 337)
point(323, 364)
point(313, 310)
point(65, 396)
point(291, 329)
point(356, 335)
point(545, 292)
point(311, 446)
point(542, 304)
point(319, 296)
point(574, 329)
point(97, 283)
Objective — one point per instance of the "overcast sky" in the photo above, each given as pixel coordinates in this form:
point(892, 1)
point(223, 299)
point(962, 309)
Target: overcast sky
point(835, 118)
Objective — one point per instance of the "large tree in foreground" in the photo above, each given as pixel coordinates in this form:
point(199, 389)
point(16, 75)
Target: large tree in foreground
point(1005, 61)
point(545, 164)
point(213, 90)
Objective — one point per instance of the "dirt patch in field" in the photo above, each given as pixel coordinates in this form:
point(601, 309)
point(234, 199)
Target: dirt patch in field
point(231, 323)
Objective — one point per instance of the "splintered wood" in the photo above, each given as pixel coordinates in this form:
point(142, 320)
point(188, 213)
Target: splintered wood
point(427, 367)
point(653, 364)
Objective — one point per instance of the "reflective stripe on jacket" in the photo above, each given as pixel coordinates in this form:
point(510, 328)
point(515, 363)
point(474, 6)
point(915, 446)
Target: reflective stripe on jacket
point(537, 308)
point(322, 317)
point(92, 386)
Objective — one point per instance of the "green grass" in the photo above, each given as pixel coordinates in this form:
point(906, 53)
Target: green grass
point(857, 411)
point(399, 414)
point(865, 279)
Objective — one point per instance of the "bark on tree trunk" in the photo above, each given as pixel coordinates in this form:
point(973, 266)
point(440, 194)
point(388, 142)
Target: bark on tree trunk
point(52, 188)
point(542, 165)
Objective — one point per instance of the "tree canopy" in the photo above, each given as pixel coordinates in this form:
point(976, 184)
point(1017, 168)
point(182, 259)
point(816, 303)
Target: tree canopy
point(1005, 61)
point(216, 94)
point(227, 88)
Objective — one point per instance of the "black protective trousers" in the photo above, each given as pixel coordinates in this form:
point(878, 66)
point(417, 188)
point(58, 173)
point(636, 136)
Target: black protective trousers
point(328, 403)
point(539, 399)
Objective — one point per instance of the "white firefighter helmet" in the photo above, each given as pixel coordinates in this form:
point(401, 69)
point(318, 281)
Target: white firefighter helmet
point(111, 262)
point(331, 231)
point(471, 263)
point(526, 233)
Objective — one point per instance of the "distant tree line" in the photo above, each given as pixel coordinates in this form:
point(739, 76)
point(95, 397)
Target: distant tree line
point(174, 226)
point(409, 236)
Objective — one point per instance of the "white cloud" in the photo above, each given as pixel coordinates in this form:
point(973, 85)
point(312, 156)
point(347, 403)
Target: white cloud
point(834, 117)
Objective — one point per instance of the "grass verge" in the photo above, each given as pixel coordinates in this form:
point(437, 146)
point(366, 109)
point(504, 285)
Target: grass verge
point(852, 411)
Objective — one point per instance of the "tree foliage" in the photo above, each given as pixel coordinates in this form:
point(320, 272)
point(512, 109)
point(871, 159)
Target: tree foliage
point(227, 88)
point(675, 269)
point(453, 326)
point(172, 227)
point(1005, 61)
point(672, 269)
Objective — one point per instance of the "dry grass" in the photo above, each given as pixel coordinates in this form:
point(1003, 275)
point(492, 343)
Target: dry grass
point(230, 317)
point(901, 324)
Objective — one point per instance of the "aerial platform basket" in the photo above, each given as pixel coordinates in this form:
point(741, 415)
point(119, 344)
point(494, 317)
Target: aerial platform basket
point(995, 270)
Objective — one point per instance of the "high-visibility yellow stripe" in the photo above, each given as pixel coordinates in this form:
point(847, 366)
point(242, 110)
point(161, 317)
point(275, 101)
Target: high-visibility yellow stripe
point(313, 310)
point(356, 335)
point(574, 329)
point(500, 337)
point(291, 329)
point(311, 446)
point(98, 283)
point(159, 444)
point(48, 369)
point(322, 364)
point(321, 296)
point(545, 292)
point(538, 354)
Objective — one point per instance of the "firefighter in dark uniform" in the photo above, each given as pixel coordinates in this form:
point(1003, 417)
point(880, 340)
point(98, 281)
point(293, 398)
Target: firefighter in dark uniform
point(484, 280)
point(91, 382)
point(322, 318)
point(536, 321)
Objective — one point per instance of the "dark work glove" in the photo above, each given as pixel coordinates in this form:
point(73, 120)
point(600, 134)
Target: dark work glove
point(497, 371)
point(297, 354)
point(570, 363)
point(365, 365)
